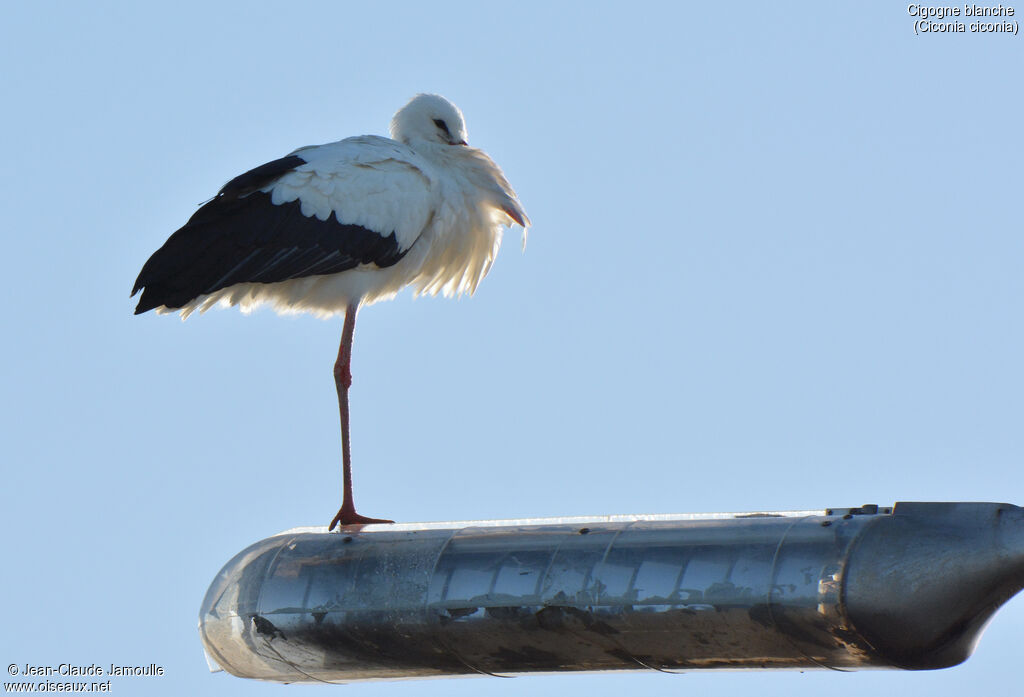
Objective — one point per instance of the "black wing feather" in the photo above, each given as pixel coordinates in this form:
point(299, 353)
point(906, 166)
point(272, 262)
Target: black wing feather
point(260, 177)
point(240, 236)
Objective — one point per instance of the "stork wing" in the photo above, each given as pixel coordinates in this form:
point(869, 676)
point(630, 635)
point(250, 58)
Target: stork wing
point(321, 210)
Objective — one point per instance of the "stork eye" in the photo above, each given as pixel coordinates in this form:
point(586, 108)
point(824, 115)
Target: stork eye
point(443, 126)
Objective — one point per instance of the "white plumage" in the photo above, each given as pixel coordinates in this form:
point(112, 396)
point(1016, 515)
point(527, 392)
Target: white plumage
point(447, 207)
point(332, 227)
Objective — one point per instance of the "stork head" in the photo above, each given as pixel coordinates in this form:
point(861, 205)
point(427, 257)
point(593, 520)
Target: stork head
point(431, 118)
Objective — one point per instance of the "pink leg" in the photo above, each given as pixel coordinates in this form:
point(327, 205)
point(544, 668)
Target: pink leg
point(343, 380)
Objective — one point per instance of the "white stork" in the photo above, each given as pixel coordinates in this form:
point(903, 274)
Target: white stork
point(332, 227)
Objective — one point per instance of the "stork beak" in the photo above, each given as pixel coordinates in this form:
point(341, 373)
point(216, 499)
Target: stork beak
point(516, 216)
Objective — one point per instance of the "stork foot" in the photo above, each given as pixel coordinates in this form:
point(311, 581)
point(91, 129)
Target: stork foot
point(348, 516)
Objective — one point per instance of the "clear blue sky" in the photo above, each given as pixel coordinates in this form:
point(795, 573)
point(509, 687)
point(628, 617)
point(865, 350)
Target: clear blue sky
point(776, 264)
